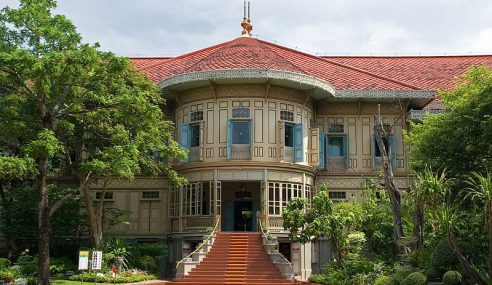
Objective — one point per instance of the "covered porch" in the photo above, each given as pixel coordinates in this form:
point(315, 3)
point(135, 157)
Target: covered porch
point(197, 207)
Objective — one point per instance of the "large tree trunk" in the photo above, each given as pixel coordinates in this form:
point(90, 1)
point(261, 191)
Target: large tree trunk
point(44, 224)
point(94, 215)
point(389, 185)
point(467, 267)
point(418, 228)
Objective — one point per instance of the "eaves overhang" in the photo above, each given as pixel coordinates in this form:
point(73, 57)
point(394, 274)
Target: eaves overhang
point(300, 81)
point(320, 89)
point(416, 98)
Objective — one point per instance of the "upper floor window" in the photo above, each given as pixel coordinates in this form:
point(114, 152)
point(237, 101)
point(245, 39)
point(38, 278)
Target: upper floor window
point(195, 135)
point(239, 145)
point(336, 146)
point(333, 148)
point(386, 147)
point(389, 142)
point(191, 138)
point(241, 132)
point(289, 135)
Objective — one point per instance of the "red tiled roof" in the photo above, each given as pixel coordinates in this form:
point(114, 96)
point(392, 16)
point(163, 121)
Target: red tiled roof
point(343, 73)
point(425, 72)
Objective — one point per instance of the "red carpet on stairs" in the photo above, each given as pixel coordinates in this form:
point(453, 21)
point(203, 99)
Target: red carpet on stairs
point(235, 258)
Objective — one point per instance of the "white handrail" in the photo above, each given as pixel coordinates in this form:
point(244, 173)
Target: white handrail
point(275, 251)
point(201, 245)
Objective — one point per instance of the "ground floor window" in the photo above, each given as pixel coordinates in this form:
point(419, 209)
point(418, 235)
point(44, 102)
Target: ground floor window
point(196, 200)
point(173, 209)
point(192, 199)
point(279, 194)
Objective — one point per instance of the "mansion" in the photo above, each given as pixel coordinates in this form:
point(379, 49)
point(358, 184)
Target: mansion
point(264, 124)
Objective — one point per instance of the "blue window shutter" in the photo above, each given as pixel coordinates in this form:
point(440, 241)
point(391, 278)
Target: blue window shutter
point(251, 141)
point(374, 146)
point(229, 139)
point(392, 143)
point(345, 151)
point(298, 143)
point(321, 150)
point(185, 139)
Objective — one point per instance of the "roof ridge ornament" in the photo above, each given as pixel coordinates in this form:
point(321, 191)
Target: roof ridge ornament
point(246, 23)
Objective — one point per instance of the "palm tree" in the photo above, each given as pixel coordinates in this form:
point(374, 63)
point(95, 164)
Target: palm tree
point(481, 190)
point(429, 191)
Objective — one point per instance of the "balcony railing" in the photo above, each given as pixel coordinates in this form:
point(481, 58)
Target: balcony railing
point(197, 223)
point(241, 152)
point(419, 115)
point(336, 163)
point(194, 154)
point(289, 154)
point(275, 224)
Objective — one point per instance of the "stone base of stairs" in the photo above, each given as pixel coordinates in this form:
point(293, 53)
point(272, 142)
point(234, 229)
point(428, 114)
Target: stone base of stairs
point(236, 258)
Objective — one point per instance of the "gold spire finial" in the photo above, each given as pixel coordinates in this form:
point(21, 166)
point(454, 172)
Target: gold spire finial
point(246, 23)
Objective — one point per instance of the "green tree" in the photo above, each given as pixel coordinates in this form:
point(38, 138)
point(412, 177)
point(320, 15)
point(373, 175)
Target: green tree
point(377, 221)
point(75, 110)
point(18, 216)
point(481, 190)
point(322, 219)
point(458, 139)
point(448, 216)
point(429, 191)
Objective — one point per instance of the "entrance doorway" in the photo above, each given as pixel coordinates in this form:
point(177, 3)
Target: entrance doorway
point(243, 216)
point(240, 202)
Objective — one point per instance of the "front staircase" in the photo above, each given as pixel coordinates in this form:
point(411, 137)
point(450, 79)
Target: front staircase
point(235, 258)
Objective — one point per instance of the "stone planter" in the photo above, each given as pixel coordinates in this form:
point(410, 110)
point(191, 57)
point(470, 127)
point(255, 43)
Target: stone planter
point(118, 261)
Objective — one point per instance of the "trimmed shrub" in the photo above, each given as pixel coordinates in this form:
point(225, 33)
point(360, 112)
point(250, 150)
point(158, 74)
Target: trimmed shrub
point(442, 256)
point(384, 280)
point(451, 278)
point(415, 278)
point(4, 263)
point(432, 274)
point(148, 263)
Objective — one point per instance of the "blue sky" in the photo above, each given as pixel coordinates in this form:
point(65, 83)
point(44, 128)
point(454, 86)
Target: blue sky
point(336, 27)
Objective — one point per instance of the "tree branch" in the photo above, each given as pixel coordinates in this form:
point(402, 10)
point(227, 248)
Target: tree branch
point(100, 205)
point(69, 196)
point(22, 82)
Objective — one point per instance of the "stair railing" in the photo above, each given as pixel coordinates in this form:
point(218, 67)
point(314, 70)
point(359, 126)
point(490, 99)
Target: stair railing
point(282, 263)
point(182, 262)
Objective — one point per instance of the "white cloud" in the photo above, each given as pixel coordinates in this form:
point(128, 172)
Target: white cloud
point(483, 41)
point(349, 26)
